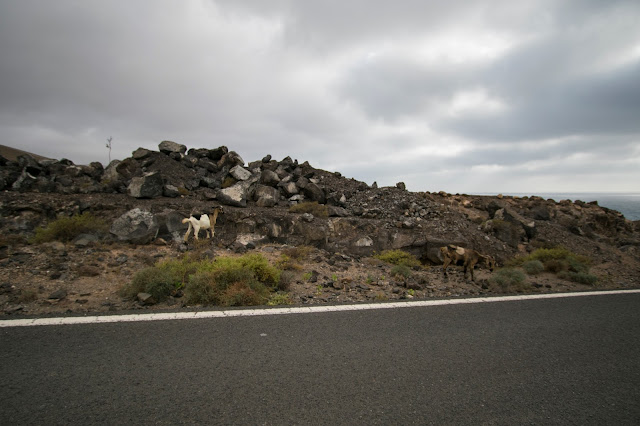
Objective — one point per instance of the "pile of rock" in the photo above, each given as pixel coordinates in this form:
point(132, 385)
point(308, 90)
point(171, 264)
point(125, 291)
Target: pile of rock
point(173, 171)
point(362, 218)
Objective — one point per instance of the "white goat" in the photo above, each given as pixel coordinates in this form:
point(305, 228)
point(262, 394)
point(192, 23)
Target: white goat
point(202, 221)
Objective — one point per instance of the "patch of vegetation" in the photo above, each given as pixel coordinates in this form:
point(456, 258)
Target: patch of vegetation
point(244, 294)
point(398, 257)
point(286, 278)
point(509, 279)
point(278, 299)
point(10, 240)
point(562, 262)
point(286, 263)
point(401, 271)
point(228, 182)
point(298, 253)
point(579, 277)
point(233, 281)
point(314, 208)
point(381, 297)
point(27, 296)
point(533, 267)
point(227, 281)
point(67, 228)
point(156, 281)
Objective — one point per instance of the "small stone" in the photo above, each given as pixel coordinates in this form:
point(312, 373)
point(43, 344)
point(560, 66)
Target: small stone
point(88, 271)
point(146, 299)
point(58, 294)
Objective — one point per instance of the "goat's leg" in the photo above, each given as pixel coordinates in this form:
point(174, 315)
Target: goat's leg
point(186, 236)
point(470, 266)
point(444, 267)
point(196, 230)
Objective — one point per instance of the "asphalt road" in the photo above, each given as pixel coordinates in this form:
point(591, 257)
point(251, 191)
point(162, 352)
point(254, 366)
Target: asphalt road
point(557, 361)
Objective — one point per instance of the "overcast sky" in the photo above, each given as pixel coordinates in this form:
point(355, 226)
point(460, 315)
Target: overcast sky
point(461, 96)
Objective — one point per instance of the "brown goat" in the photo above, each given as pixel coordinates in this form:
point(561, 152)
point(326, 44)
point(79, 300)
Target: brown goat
point(467, 257)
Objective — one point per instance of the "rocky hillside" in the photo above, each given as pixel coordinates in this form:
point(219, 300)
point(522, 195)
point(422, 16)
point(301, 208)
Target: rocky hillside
point(270, 203)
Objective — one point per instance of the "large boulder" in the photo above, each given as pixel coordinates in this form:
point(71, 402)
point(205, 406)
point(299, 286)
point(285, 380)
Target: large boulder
point(25, 182)
point(266, 196)
point(230, 160)
point(170, 225)
point(218, 153)
point(240, 173)
point(29, 164)
point(150, 185)
point(235, 195)
point(311, 191)
point(141, 154)
point(514, 218)
point(169, 147)
point(125, 169)
point(135, 226)
point(269, 178)
point(289, 188)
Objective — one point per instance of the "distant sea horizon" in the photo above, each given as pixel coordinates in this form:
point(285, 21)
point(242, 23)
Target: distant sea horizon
point(627, 203)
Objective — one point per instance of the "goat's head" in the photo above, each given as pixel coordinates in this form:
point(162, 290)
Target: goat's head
point(490, 262)
point(219, 209)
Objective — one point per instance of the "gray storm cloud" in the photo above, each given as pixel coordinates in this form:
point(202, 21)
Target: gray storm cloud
point(475, 96)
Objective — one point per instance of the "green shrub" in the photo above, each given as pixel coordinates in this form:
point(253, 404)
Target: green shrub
point(228, 182)
point(227, 286)
point(398, 257)
point(555, 266)
point(298, 253)
point(286, 263)
point(286, 278)
point(533, 267)
point(233, 281)
point(155, 281)
point(545, 255)
point(265, 273)
point(402, 271)
point(226, 281)
point(67, 228)
point(180, 269)
point(507, 278)
point(27, 296)
point(579, 277)
point(245, 294)
point(277, 299)
point(202, 289)
point(560, 261)
point(316, 209)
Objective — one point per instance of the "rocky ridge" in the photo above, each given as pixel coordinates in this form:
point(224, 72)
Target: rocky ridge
point(144, 198)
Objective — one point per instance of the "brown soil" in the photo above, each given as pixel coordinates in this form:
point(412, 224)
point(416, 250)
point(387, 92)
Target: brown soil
point(56, 278)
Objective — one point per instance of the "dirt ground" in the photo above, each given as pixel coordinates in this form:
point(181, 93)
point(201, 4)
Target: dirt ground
point(57, 278)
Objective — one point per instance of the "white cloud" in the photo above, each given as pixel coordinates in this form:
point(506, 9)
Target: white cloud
point(476, 102)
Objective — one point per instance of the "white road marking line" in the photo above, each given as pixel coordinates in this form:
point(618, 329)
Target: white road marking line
point(102, 319)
